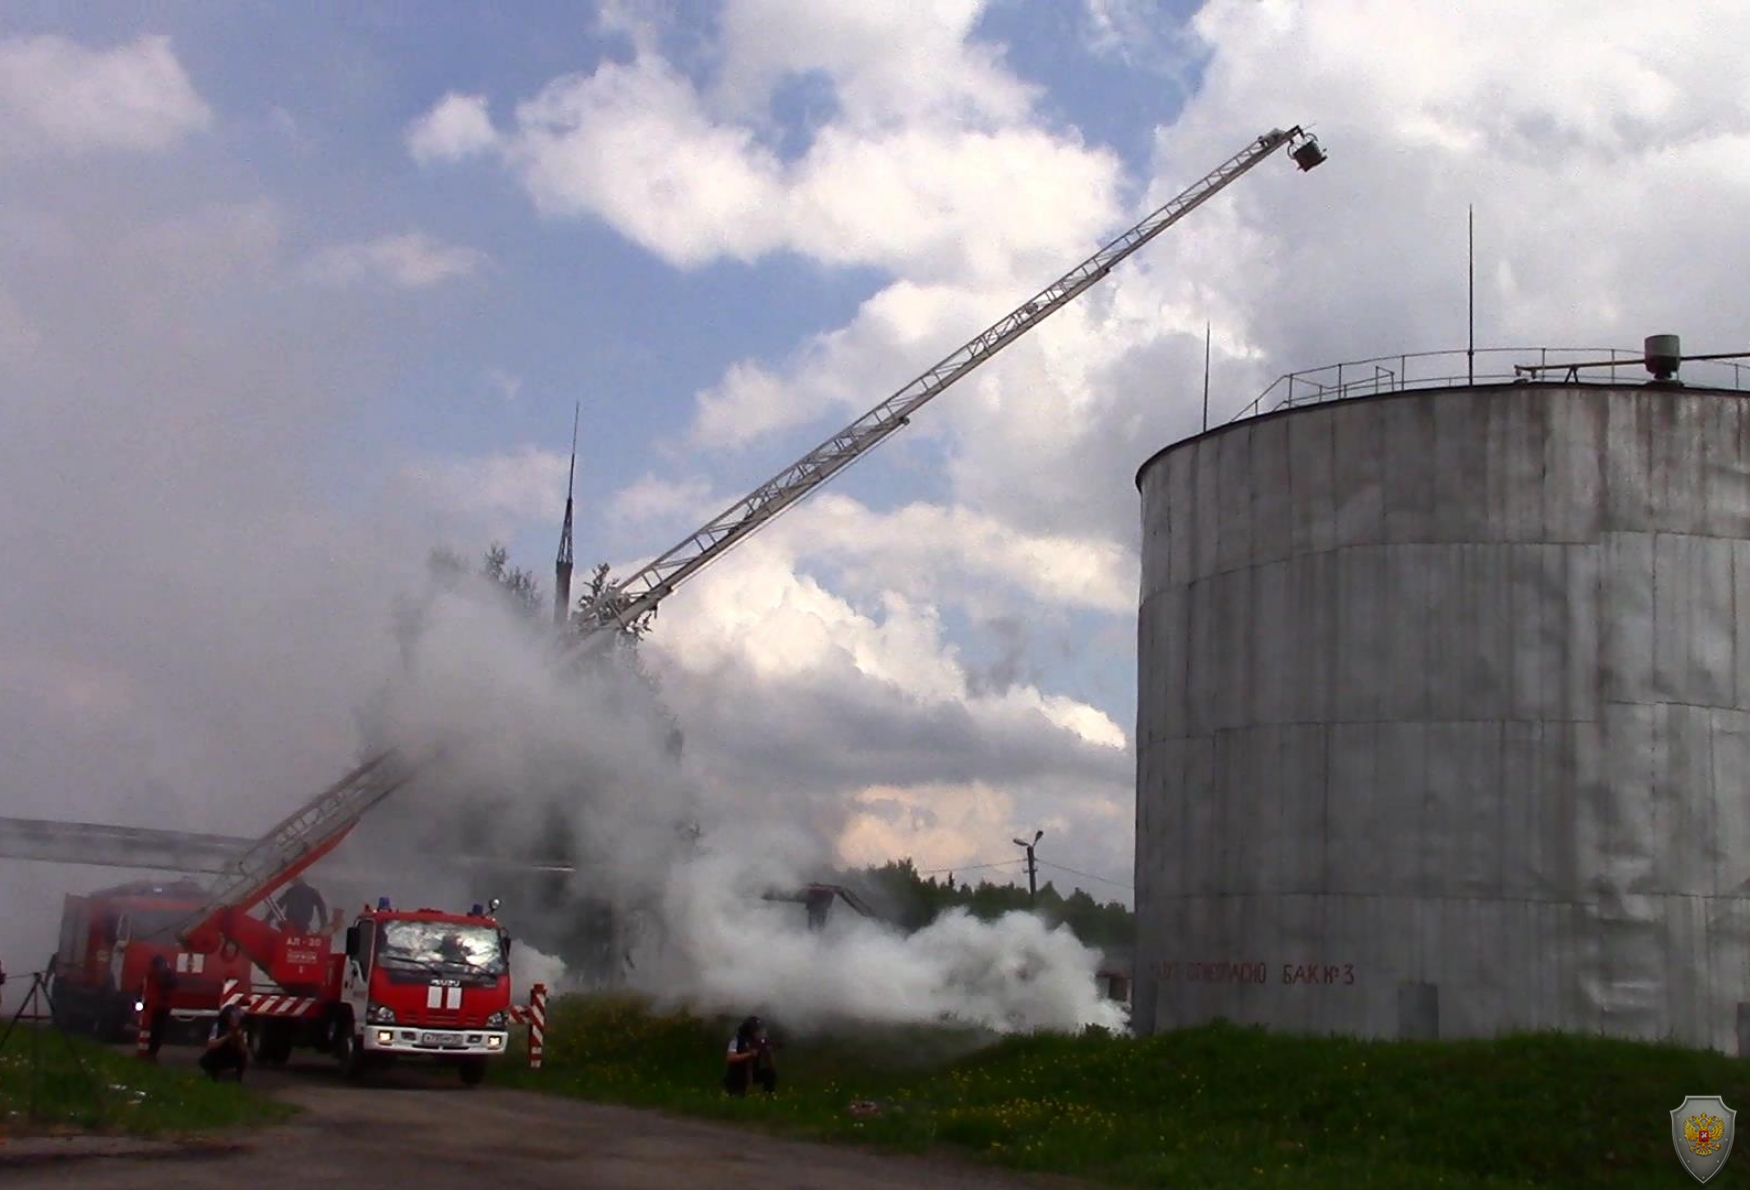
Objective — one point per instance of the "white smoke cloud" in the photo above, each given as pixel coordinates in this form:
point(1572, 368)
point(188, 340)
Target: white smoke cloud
point(187, 620)
point(529, 967)
point(523, 730)
point(1015, 973)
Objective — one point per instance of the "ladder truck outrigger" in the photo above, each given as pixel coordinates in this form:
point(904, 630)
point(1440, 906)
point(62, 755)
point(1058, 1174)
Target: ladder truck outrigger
point(345, 991)
point(407, 984)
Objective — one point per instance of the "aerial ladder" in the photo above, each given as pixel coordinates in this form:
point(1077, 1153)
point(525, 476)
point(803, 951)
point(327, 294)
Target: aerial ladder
point(320, 825)
point(298, 841)
point(626, 601)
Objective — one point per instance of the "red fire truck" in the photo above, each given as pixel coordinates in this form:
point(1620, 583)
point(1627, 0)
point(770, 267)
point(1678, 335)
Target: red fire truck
point(407, 984)
point(419, 984)
point(108, 941)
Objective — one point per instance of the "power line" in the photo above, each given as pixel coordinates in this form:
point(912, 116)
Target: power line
point(1007, 863)
point(1087, 875)
point(968, 867)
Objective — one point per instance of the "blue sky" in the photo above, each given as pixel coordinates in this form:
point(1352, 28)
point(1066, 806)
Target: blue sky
point(313, 104)
point(289, 293)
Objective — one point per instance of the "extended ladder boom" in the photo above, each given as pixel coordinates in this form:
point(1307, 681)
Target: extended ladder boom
point(324, 821)
point(625, 601)
point(314, 830)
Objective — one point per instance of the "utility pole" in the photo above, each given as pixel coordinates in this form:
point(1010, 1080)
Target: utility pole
point(562, 566)
point(1206, 375)
point(1470, 287)
point(1032, 866)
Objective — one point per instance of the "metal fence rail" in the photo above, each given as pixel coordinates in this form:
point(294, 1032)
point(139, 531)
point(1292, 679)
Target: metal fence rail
point(1489, 365)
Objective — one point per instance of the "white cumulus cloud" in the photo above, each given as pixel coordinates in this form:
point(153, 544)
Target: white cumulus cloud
point(57, 96)
point(796, 699)
point(890, 64)
point(937, 825)
point(943, 554)
point(412, 260)
point(932, 164)
point(652, 498)
point(457, 127)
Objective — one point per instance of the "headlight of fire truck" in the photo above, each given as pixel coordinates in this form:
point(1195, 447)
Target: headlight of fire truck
point(380, 1014)
point(498, 1020)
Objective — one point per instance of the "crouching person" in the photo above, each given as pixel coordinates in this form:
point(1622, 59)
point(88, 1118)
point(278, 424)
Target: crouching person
point(227, 1046)
point(750, 1060)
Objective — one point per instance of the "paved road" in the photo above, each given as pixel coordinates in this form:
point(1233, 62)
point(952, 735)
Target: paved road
point(423, 1131)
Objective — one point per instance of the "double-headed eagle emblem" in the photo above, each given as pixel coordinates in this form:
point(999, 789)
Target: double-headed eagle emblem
point(1701, 1128)
point(1703, 1133)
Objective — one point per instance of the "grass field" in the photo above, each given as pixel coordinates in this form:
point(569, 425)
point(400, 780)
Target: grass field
point(1211, 1107)
point(49, 1083)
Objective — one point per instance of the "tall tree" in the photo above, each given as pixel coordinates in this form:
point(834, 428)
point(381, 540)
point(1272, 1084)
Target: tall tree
point(520, 587)
point(599, 586)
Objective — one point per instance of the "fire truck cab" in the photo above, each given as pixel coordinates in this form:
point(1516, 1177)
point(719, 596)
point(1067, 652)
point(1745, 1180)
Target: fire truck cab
point(427, 985)
point(420, 984)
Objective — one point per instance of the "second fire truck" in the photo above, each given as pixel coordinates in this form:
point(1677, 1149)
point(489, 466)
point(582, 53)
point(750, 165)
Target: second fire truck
point(403, 984)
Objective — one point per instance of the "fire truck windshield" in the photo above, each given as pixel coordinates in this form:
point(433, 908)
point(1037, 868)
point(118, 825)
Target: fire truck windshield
point(441, 948)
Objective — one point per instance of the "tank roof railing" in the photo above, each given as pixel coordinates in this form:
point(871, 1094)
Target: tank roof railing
point(1453, 368)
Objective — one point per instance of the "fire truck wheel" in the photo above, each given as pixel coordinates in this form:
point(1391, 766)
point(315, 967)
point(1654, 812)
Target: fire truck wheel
point(273, 1043)
point(353, 1060)
point(116, 1025)
point(473, 1071)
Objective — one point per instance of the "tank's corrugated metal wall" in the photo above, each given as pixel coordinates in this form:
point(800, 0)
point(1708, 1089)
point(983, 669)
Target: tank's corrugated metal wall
point(1444, 717)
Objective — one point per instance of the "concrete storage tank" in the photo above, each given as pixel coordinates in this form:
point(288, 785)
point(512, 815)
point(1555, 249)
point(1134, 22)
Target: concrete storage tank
point(1444, 716)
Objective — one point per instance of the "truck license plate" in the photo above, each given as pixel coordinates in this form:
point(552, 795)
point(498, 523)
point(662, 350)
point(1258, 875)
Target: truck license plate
point(435, 1038)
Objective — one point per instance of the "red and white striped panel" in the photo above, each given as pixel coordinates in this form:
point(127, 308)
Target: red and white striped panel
point(535, 1016)
point(534, 1012)
point(281, 1005)
point(266, 1004)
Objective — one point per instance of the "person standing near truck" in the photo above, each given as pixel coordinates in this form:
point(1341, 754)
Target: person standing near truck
point(302, 907)
point(160, 982)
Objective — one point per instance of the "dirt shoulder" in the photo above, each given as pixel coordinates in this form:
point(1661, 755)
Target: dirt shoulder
point(425, 1132)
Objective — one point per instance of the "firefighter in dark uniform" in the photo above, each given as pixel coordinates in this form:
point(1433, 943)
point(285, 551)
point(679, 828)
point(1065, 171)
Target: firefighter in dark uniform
point(750, 1060)
point(303, 907)
point(160, 982)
